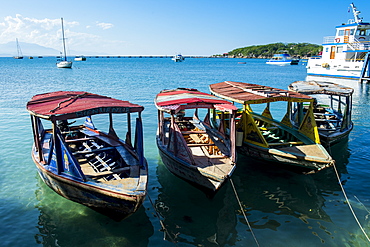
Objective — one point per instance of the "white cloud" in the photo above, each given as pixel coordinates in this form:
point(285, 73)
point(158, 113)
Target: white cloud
point(103, 25)
point(47, 32)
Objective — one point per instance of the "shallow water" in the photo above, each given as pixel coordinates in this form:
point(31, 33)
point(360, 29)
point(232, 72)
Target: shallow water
point(284, 208)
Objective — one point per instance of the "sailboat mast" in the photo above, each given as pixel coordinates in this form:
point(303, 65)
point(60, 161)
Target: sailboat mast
point(19, 51)
point(64, 44)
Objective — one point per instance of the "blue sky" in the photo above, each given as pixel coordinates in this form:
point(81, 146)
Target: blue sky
point(166, 27)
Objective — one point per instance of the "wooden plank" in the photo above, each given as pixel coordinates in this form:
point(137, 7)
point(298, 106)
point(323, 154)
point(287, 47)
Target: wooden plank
point(200, 144)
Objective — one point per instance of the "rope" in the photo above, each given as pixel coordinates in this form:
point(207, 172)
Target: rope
point(70, 98)
point(241, 208)
point(349, 204)
point(161, 222)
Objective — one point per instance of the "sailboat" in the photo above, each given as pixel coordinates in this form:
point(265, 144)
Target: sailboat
point(19, 51)
point(63, 63)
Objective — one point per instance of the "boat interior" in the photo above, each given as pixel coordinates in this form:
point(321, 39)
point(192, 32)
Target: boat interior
point(274, 134)
point(326, 118)
point(101, 157)
point(205, 152)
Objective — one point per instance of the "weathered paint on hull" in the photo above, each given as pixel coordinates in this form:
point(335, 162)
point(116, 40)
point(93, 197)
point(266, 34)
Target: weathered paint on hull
point(331, 140)
point(106, 202)
point(263, 154)
point(186, 172)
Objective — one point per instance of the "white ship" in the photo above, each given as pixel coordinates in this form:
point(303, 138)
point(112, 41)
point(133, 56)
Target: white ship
point(345, 55)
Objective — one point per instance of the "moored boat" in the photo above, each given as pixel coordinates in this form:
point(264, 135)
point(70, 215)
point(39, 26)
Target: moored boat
point(263, 137)
point(282, 59)
point(343, 55)
point(80, 58)
point(332, 109)
point(63, 62)
point(178, 58)
point(19, 51)
point(192, 148)
point(82, 163)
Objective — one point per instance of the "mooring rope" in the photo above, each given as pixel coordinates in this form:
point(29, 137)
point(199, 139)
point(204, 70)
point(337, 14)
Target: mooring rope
point(349, 204)
point(241, 208)
point(70, 98)
point(161, 222)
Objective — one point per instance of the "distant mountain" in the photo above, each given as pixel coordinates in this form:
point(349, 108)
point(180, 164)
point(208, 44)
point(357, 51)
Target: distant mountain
point(10, 49)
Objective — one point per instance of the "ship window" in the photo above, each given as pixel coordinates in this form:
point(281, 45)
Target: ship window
point(363, 32)
point(340, 32)
point(326, 49)
point(352, 31)
point(339, 49)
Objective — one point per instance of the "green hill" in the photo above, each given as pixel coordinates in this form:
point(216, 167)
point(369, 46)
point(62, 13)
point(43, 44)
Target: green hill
point(266, 51)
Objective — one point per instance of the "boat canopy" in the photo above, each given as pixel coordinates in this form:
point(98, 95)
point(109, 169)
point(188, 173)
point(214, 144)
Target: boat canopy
point(63, 105)
point(185, 98)
point(247, 93)
point(316, 87)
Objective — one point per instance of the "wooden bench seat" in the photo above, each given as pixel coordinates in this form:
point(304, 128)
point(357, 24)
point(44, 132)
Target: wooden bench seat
point(285, 143)
point(80, 139)
point(200, 144)
point(94, 151)
point(105, 173)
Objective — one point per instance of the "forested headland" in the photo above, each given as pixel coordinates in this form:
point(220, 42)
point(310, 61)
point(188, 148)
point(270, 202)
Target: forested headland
point(266, 51)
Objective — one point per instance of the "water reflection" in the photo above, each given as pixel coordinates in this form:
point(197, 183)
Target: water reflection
point(270, 197)
point(65, 223)
point(193, 218)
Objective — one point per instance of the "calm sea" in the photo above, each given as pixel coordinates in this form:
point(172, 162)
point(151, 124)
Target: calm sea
point(283, 208)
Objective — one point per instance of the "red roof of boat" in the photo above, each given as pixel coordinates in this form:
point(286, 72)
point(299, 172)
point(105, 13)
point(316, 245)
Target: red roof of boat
point(189, 98)
point(64, 105)
point(247, 93)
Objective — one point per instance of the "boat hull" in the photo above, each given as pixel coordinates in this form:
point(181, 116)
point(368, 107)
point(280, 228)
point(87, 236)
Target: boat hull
point(285, 156)
point(336, 69)
point(114, 204)
point(330, 139)
point(64, 64)
point(279, 63)
point(187, 171)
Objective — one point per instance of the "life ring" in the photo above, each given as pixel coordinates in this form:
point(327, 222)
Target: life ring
point(325, 65)
point(337, 40)
point(361, 38)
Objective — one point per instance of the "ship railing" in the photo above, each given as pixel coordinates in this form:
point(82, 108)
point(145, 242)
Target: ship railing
point(357, 45)
point(328, 39)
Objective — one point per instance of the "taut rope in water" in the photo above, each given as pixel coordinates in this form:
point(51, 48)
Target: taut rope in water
point(345, 196)
point(349, 204)
point(241, 208)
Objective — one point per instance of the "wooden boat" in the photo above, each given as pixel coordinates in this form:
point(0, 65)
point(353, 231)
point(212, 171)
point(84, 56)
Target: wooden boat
point(263, 137)
point(332, 109)
point(189, 147)
point(63, 63)
point(82, 163)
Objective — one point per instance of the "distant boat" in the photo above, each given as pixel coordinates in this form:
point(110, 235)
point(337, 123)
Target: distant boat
point(283, 59)
point(63, 63)
point(30, 57)
point(19, 51)
point(80, 58)
point(178, 58)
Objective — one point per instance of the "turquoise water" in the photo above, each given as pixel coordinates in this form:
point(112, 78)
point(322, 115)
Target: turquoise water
point(283, 208)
